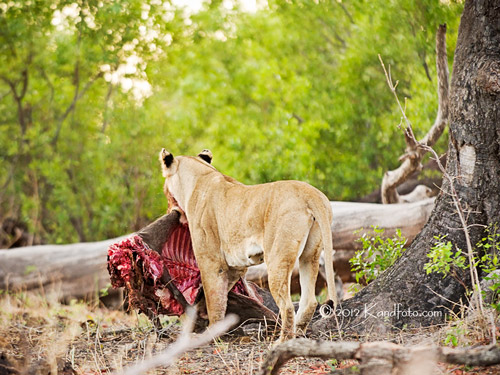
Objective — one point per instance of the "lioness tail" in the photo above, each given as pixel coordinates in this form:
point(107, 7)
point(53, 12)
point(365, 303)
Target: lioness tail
point(326, 237)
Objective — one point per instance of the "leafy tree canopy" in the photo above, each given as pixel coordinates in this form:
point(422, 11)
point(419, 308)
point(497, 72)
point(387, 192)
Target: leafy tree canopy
point(91, 90)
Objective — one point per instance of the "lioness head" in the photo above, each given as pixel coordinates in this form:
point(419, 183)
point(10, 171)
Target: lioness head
point(169, 163)
point(172, 169)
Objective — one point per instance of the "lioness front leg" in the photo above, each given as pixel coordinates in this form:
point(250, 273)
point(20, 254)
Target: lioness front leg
point(215, 286)
point(214, 276)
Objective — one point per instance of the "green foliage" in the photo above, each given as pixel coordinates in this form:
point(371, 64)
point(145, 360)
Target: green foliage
point(317, 91)
point(377, 255)
point(72, 163)
point(454, 334)
point(495, 289)
point(445, 260)
point(91, 90)
point(489, 248)
point(103, 292)
point(333, 363)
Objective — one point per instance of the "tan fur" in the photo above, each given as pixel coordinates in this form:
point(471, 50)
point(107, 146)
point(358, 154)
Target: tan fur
point(234, 226)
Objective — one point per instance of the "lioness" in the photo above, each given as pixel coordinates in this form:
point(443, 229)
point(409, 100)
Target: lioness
point(234, 226)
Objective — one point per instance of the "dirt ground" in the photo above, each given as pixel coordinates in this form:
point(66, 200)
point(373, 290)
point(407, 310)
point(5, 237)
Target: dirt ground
point(40, 336)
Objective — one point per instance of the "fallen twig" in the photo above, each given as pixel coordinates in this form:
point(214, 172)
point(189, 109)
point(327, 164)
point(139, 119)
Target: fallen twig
point(184, 343)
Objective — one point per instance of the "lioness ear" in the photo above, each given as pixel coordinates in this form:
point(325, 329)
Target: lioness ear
point(206, 155)
point(166, 160)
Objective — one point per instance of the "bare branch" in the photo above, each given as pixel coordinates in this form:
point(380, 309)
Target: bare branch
point(18, 97)
point(25, 83)
point(443, 89)
point(106, 108)
point(298, 118)
point(76, 97)
point(334, 32)
point(414, 153)
point(341, 4)
point(49, 82)
point(426, 68)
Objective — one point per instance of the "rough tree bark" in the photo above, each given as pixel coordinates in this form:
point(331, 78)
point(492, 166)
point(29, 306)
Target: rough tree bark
point(474, 164)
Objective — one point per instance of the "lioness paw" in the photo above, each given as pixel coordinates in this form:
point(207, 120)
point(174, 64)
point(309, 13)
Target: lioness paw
point(206, 155)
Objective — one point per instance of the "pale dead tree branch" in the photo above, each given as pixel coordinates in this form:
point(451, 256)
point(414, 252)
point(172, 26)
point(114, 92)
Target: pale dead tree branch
point(411, 160)
point(282, 353)
point(184, 343)
point(380, 358)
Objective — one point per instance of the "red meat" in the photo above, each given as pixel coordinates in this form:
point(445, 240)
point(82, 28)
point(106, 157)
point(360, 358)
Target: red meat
point(134, 265)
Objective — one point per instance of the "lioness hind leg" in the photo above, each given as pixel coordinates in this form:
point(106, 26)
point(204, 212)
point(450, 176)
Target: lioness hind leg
point(279, 274)
point(308, 273)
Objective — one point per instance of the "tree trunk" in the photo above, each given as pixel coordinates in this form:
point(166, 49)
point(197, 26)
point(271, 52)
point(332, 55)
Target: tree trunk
point(405, 294)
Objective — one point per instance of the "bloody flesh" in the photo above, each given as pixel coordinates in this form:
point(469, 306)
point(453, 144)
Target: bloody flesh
point(133, 264)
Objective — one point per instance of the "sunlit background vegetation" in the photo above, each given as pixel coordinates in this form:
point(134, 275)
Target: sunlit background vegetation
point(90, 90)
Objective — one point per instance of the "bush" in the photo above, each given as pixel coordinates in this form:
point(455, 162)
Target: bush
point(377, 255)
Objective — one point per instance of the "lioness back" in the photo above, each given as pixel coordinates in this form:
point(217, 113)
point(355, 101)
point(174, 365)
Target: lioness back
point(274, 198)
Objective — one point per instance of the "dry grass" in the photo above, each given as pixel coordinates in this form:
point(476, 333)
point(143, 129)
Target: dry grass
point(39, 335)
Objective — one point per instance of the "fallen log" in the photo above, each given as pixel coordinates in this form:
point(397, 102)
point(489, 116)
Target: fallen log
point(352, 220)
point(349, 217)
point(79, 270)
point(380, 358)
point(72, 271)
